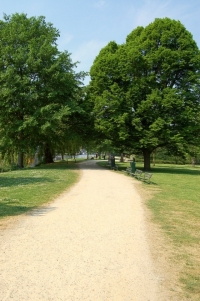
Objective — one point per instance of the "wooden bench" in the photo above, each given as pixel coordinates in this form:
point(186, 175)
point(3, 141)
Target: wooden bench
point(114, 167)
point(147, 176)
point(138, 174)
point(128, 170)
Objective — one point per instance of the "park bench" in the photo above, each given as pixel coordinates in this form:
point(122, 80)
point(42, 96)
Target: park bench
point(128, 170)
point(138, 174)
point(114, 167)
point(147, 176)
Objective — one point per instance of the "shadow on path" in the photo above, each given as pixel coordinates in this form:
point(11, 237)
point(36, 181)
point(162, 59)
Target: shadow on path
point(91, 164)
point(41, 211)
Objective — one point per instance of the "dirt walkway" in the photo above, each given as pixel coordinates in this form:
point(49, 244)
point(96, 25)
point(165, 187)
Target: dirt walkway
point(88, 245)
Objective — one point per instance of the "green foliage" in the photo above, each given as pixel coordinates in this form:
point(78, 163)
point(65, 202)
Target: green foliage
point(39, 87)
point(146, 91)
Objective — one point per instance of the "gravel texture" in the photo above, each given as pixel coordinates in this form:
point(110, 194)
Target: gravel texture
point(88, 245)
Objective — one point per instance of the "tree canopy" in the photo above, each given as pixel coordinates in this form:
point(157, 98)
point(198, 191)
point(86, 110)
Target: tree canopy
point(145, 92)
point(40, 89)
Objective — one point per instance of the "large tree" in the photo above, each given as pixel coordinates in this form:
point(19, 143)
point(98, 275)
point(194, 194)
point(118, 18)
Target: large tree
point(146, 91)
point(38, 85)
point(106, 92)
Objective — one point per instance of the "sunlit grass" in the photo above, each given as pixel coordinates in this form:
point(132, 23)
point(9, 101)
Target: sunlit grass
point(177, 209)
point(175, 204)
point(26, 189)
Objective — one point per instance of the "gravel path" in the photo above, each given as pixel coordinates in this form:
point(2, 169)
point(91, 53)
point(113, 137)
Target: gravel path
point(88, 245)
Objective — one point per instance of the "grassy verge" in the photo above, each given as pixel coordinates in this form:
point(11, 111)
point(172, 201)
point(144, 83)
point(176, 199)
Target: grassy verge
point(22, 190)
point(177, 209)
point(175, 204)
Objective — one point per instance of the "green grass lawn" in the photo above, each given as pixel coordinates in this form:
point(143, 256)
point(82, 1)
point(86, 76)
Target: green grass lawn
point(177, 209)
point(175, 204)
point(22, 190)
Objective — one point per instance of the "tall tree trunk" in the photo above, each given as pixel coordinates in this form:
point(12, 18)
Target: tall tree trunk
point(154, 158)
point(48, 157)
point(147, 161)
point(20, 161)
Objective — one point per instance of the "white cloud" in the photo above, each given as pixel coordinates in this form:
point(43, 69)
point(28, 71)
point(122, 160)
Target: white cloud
point(64, 40)
point(86, 54)
point(100, 4)
point(150, 10)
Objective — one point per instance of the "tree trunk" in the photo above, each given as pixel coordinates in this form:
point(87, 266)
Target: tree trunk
point(122, 157)
point(48, 157)
point(147, 162)
point(20, 161)
point(154, 158)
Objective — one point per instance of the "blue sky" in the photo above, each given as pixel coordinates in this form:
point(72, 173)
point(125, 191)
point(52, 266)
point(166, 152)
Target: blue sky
point(88, 25)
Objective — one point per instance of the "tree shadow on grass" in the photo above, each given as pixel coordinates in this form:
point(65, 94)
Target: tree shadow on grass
point(59, 166)
point(176, 170)
point(11, 209)
point(21, 181)
point(166, 169)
